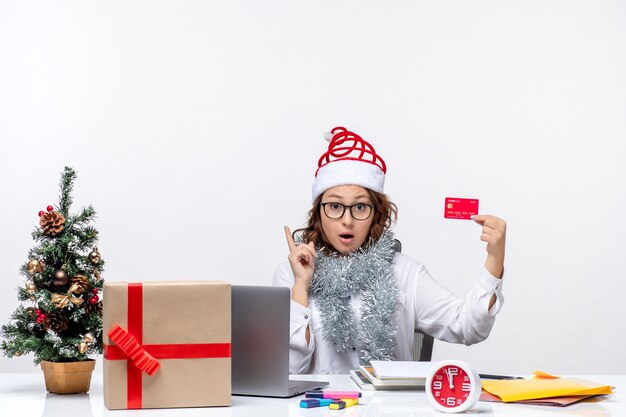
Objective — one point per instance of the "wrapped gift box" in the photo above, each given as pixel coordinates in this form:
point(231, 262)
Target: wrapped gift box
point(167, 344)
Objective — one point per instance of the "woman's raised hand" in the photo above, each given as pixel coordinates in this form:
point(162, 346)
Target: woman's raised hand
point(302, 259)
point(494, 233)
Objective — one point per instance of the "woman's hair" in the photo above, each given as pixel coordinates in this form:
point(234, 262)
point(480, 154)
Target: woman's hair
point(385, 213)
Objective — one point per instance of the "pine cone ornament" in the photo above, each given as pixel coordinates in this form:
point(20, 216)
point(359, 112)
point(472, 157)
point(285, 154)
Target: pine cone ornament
point(81, 281)
point(56, 322)
point(52, 223)
point(94, 308)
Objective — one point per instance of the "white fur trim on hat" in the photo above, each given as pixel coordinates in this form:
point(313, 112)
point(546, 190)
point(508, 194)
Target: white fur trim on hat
point(348, 172)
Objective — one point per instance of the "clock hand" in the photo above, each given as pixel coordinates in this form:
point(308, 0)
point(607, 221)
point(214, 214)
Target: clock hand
point(450, 381)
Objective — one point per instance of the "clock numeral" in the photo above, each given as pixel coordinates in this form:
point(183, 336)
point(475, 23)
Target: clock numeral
point(438, 377)
point(453, 370)
point(451, 401)
point(437, 385)
point(466, 386)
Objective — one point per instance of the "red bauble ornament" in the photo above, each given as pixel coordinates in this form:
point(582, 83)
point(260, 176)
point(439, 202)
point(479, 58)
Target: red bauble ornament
point(95, 291)
point(40, 213)
point(94, 299)
point(49, 208)
point(38, 312)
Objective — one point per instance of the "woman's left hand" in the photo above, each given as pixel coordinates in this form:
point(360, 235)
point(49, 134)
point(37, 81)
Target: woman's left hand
point(494, 233)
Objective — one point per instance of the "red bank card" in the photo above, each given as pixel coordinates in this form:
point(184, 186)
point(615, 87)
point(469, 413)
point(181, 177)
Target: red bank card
point(460, 208)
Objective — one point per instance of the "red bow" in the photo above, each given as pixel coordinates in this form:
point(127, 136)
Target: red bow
point(135, 352)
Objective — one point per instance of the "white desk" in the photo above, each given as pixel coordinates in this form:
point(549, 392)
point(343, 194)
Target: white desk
point(24, 395)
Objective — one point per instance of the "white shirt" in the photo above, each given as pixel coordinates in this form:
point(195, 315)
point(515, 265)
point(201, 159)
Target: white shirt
point(423, 304)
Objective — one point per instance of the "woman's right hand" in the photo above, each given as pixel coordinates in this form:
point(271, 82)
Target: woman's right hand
point(302, 260)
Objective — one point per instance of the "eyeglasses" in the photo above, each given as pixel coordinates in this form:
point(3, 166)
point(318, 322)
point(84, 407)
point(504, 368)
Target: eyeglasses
point(359, 211)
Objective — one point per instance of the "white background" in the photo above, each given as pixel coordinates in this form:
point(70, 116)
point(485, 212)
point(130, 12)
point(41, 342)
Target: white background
point(195, 128)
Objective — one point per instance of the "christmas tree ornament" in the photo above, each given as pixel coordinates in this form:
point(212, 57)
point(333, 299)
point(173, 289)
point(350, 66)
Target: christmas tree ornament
point(50, 208)
point(52, 223)
point(41, 212)
point(94, 308)
point(82, 347)
point(61, 301)
point(56, 322)
point(94, 256)
point(88, 338)
point(34, 266)
point(60, 278)
point(94, 291)
point(81, 282)
point(94, 299)
point(30, 287)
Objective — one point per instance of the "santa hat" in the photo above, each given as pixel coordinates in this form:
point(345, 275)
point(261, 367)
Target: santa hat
point(349, 160)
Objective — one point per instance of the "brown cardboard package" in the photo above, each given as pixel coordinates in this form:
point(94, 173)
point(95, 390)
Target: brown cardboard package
point(185, 326)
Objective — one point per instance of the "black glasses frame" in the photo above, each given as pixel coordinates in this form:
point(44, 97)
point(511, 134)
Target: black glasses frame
point(343, 211)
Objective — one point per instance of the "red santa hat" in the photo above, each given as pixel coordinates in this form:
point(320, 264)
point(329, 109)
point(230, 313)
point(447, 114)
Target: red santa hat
point(349, 160)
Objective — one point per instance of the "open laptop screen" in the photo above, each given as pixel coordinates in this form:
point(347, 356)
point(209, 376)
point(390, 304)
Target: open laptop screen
point(260, 342)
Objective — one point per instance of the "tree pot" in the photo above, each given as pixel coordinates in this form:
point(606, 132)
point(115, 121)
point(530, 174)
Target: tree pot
point(68, 377)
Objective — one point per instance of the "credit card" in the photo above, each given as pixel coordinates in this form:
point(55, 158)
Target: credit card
point(460, 208)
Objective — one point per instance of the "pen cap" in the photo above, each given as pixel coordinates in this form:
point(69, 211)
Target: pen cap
point(309, 403)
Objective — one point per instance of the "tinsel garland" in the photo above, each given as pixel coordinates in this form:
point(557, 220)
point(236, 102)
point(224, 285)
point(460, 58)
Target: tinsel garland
point(368, 271)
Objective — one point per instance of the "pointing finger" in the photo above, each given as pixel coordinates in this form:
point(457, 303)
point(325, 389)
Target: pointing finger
point(290, 242)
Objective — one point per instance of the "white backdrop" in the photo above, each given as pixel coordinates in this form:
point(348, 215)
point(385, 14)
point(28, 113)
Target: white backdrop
point(195, 128)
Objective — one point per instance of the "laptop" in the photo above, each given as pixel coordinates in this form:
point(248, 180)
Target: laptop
point(260, 343)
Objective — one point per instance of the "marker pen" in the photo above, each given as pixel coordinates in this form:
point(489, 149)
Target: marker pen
point(340, 404)
point(315, 402)
point(333, 395)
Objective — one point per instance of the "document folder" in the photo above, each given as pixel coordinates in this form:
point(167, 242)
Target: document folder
point(531, 389)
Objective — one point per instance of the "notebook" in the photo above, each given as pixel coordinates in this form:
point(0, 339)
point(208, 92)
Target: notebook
point(260, 343)
point(401, 369)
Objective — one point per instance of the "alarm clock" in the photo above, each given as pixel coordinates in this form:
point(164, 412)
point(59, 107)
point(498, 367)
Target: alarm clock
point(452, 386)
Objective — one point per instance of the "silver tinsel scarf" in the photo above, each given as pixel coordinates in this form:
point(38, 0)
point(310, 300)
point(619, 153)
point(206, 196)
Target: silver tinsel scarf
point(368, 271)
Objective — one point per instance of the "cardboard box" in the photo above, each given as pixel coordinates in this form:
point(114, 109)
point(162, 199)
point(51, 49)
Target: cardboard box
point(185, 327)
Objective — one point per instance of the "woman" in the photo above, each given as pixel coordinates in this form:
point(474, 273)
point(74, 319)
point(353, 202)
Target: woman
point(354, 297)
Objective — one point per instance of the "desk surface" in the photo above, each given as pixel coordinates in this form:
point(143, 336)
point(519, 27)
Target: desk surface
point(25, 395)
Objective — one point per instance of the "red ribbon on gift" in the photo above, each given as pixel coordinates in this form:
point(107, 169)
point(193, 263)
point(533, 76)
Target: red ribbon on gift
point(133, 350)
point(143, 358)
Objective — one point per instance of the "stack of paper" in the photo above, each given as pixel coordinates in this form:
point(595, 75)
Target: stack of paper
point(387, 375)
point(401, 369)
point(544, 389)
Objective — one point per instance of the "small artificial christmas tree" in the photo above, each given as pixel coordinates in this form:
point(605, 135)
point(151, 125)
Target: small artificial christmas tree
point(63, 283)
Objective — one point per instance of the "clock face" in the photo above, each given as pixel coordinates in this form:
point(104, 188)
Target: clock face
point(451, 386)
